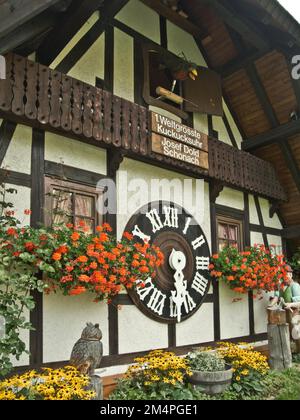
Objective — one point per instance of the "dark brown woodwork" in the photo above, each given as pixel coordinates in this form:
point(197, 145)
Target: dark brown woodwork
point(81, 111)
point(175, 18)
point(66, 27)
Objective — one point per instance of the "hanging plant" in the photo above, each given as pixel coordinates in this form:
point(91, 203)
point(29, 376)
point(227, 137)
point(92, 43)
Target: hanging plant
point(256, 269)
point(76, 262)
point(65, 258)
point(99, 263)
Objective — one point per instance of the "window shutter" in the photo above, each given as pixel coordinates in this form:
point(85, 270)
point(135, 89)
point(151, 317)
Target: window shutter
point(205, 93)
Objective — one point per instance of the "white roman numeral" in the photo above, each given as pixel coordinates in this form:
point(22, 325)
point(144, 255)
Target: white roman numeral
point(171, 217)
point(143, 293)
point(137, 232)
point(200, 284)
point(157, 302)
point(155, 220)
point(198, 242)
point(189, 304)
point(187, 225)
point(202, 263)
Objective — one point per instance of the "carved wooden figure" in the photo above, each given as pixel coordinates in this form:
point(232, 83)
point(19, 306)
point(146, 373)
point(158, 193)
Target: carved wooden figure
point(88, 350)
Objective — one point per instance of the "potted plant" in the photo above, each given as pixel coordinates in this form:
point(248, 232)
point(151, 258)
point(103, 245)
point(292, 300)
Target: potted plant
point(210, 372)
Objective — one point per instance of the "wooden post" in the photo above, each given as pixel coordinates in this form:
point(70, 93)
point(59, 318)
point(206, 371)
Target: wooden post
point(279, 346)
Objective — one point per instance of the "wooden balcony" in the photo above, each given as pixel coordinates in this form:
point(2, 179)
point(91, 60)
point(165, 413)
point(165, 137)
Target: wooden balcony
point(35, 95)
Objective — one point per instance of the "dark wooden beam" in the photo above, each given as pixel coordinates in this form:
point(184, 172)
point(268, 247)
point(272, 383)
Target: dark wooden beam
point(108, 12)
point(290, 161)
point(272, 136)
point(246, 29)
point(292, 232)
point(261, 221)
point(240, 62)
point(67, 26)
point(16, 12)
point(28, 32)
point(7, 130)
point(175, 18)
point(37, 218)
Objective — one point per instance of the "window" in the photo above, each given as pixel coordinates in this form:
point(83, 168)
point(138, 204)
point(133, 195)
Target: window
point(230, 233)
point(67, 202)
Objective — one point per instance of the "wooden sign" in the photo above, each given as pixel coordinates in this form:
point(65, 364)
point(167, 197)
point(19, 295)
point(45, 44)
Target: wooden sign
point(179, 151)
point(166, 127)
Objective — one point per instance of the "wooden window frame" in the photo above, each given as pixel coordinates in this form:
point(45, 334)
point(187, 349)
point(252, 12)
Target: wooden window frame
point(73, 187)
point(239, 223)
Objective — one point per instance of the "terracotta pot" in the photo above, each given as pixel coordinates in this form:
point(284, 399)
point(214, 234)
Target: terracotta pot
point(212, 383)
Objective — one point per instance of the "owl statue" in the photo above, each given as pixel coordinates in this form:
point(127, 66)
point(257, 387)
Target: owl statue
point(88, 350)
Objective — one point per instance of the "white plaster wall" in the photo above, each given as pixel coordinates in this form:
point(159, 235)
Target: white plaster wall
point(197, 329)
point(91, 64)
point(234, 315)
point(64, 319)
point(253, 212)
point(140, 333)
point(21, 202)
point(201, 123)
point(75, 153)
point(260, 313)
point(18, 155)
point(256, 238)
point(123, 66)
point(142, 19)
point(219, 126)
point(231, 198)
point(273, 222)
point(261, 303)
point(76, 38)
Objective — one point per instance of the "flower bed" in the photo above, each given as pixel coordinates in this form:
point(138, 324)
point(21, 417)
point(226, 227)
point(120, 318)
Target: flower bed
point(61, 384)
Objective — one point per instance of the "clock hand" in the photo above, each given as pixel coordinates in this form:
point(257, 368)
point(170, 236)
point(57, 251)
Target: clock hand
point(177, 262)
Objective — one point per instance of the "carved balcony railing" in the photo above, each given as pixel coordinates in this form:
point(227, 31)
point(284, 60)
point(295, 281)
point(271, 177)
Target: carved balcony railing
point(35, 95)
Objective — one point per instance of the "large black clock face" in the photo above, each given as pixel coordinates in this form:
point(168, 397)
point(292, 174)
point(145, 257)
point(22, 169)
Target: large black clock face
point(183, 281)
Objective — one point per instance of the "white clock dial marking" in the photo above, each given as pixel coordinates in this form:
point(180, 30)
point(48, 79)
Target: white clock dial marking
point(155, 220)
point(180, 296)
point(171, 217)
point(200, 284)
point(197, 243)
point(143, 293)
point(187, 225)
point(157, 301)
point(157, 298)
point(137, 232)
point(202, 263)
